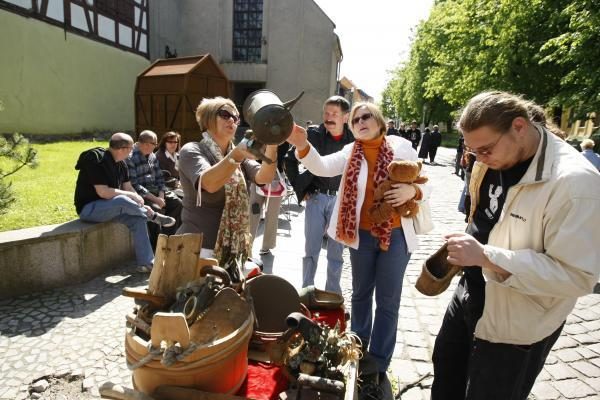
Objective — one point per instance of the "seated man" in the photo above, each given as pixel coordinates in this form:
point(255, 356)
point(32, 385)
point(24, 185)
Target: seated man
point(103, 192)
point(147, 180)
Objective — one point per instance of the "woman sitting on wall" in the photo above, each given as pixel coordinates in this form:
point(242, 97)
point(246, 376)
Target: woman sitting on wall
point(168, 156)
point(214, 175)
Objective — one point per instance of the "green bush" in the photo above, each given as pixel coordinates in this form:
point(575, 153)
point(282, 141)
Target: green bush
point(15, 153)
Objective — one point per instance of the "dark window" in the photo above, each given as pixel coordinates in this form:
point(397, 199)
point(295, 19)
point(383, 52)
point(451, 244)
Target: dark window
point(121, 10)
point(247, 30)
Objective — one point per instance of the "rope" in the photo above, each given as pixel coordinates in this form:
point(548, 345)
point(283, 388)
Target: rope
point(174, 353)
point(170, 355)
point(152, 352)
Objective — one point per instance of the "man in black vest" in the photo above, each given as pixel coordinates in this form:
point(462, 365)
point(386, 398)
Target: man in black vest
point(320, 192)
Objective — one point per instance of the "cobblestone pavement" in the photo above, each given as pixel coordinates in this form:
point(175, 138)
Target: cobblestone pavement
point(80, 329)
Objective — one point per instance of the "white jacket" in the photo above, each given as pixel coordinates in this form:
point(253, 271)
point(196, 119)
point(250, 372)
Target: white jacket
point(335, 164)
point(547, 238)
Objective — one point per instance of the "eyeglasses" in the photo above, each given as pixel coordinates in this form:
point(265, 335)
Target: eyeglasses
point(486, 150)
point(364, 118)
point(172, 141)
point(226, 115)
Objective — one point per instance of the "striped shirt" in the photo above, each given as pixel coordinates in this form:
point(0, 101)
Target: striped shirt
point(144, 173)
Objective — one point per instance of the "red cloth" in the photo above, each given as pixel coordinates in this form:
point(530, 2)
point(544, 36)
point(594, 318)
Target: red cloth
point(330, 317)
point(263, 382)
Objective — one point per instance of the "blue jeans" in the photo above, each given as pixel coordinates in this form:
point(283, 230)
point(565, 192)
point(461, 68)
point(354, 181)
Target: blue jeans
point(124, 210)
point(382, 272)
point(316, 220)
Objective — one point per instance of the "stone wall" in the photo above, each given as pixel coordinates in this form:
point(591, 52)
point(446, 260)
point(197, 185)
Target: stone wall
point(52, 256)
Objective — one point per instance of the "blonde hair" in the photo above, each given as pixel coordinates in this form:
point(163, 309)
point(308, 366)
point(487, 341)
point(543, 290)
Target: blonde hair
point(499, 109)
point(206, 113)
point(587, 144)
point(374, 110)
point(494, 109)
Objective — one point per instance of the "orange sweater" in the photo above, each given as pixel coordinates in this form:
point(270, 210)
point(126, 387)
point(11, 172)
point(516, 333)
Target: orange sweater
point(371, 149)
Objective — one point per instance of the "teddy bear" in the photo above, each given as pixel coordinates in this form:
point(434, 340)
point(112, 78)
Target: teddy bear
point(400, 171)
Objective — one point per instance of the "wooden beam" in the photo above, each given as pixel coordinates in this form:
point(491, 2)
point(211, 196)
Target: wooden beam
point(152, 110)
point(166, 99)
point(140, 105)
point(44, 9)
point(139, 25)
point(175, 114)
point(88, 20)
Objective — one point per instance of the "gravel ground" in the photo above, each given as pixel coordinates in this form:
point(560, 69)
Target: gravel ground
point(62, 388)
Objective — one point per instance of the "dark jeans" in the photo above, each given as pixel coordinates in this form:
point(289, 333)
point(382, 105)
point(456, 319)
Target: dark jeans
point(432, 152)
point(469, 368)
point(173, 206)
point(378, 272)
point(458, 170)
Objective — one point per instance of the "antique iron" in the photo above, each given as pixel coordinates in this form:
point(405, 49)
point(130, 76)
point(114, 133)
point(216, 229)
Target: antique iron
point(270, 120)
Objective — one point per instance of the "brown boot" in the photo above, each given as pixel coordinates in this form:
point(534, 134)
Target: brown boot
point(437, 273)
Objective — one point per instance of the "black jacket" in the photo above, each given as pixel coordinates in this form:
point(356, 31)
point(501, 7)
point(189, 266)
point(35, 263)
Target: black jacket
point(97, 167)
point(436, 139)
point(324, 143)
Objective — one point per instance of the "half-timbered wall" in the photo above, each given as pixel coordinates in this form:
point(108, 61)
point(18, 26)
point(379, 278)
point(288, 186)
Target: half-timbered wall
point(120, 23)
point(54, 81)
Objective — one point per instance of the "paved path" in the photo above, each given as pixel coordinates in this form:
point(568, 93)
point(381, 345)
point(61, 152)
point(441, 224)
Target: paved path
point(80, 329)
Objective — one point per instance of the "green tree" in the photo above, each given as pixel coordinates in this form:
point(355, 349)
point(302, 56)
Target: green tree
point(15, 153)
point(467, 46)
point(576, 50)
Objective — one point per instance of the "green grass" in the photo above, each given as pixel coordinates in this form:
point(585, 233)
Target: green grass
point(44, 195)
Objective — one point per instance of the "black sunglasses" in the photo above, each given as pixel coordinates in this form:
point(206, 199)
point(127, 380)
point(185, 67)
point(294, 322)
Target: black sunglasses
point(364, 117)
point(226, 115)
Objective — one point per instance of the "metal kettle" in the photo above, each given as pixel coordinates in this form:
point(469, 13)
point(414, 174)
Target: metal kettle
point(270, 121)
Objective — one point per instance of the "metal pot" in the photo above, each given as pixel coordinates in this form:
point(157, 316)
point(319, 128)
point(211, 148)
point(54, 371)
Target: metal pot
point(270, 120)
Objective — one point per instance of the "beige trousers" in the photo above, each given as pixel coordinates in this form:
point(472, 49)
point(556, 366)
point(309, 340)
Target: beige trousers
point(271, 217)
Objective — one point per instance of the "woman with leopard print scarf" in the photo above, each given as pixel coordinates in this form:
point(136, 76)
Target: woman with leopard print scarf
point(379, 253)
point(214, 175)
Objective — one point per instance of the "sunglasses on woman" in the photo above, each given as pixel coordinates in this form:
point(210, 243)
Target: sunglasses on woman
point(364, 118)
point(226, 115)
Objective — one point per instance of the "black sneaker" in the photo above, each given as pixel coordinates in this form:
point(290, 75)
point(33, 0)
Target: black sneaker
point(368, 379)
point(143, 269)
point(163, 220)
point(385, 384)
point(368, 387)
